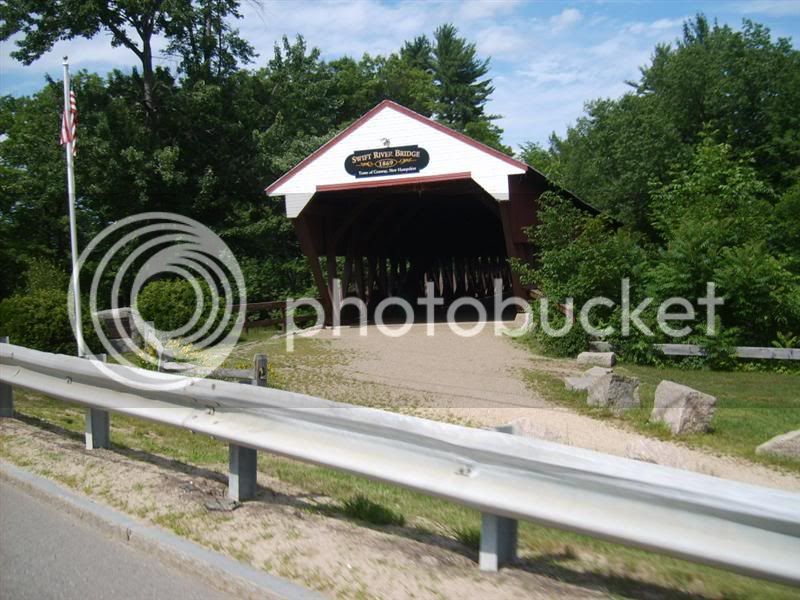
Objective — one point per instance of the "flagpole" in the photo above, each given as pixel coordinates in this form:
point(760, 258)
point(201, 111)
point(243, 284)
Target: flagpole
point(73, 235)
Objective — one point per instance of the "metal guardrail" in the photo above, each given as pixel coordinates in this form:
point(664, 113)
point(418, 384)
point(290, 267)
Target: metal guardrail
point(739, 527)
point(257, 375)
point(275, 306)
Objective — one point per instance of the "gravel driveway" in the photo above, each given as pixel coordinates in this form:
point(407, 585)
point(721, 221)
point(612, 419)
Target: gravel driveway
point(479, 380)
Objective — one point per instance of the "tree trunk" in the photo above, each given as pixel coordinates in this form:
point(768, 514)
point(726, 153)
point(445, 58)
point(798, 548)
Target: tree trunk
point(147, 73)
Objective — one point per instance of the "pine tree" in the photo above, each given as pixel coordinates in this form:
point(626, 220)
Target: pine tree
point(458, 73)
point(418, 53)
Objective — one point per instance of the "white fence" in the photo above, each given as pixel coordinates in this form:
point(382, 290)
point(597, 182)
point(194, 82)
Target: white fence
point(743, 528)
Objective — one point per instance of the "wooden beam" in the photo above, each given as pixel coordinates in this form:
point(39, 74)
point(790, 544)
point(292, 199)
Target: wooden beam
point(511, 249)
point(330, 254)
point(358, 265)
point(306, 238)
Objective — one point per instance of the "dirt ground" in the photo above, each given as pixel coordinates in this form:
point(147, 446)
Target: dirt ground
point(275, 532)
point(290, 532)
point(479, 381)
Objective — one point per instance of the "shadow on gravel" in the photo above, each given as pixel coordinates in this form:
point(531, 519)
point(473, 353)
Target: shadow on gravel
point(128, 452)
point(370, 515)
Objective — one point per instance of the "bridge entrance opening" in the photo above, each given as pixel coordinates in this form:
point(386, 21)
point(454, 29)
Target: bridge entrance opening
point(397, 204)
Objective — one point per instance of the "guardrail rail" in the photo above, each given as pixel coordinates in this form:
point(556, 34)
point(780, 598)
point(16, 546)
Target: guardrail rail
point(739, 527)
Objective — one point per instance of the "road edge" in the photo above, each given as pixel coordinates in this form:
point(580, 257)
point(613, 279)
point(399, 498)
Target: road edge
point(216, 570)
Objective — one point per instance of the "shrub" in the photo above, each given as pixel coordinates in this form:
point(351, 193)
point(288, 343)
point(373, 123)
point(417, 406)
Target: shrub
point(573, 342)
point(720, 349)
point(760, 293)
point(171, 304)
point(42, 274)
point(274, 279)
point(39, 320)
point(580, 257)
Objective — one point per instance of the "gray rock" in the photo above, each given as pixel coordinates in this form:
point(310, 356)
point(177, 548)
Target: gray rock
point(582, 382)
point(643, 450)
point(597, 372)
point(602, 359)
point(683, 409)
point(220, 504)
point(617, 392)
point(533, 428)
point(786, 445)
point(578, 384)
point(598, 346)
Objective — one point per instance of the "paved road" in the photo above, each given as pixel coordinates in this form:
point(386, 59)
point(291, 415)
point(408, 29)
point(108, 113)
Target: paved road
point(46, 553)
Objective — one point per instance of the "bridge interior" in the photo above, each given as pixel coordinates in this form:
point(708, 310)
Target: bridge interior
point(393, 240)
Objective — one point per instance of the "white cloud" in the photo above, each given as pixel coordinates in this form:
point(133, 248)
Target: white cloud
point(551, 83)
point(502, 41)
point(350, 28)
point(566, 18)
point(542, 77)
point(773, 8)
point(655, 26)
point(483, 9)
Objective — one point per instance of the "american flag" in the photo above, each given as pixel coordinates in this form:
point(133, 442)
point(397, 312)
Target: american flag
point(69, 124)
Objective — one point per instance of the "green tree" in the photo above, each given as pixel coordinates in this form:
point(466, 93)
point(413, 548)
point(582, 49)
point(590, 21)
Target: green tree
point(738, 87)
point(741, 85)
point(785, 230)
point(363, 84)
point(580, 256)
point(612, 156)
point(544, 160)
point(462, 88)
point(418, 53)
point(716, 220)
point(210, 49)
point(458, 73)
point(132, 24)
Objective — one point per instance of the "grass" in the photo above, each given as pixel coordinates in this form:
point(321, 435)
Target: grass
point(363, 509)
point(752, 407)
point(469, 536)
point(618, 570)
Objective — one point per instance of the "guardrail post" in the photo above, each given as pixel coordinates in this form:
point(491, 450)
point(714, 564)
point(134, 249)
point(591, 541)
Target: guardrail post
point(6, 393)
point(242, 462)
point(241, 473)
point(260, 370)
point(498, 541)
point(97, 422)
point(498, 534)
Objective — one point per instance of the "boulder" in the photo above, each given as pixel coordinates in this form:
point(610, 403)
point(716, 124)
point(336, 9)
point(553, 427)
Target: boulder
point(617, 392)
point(786, 445)
point(532, 428)
point(601, 359)
point(600, 346)
point(582, 382)
point(683, 409)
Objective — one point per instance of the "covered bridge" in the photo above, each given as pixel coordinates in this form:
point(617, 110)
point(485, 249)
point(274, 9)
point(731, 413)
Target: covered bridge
point(397, 200)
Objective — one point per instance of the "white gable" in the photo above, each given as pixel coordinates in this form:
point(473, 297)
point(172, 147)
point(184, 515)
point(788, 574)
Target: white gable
point(391, 127)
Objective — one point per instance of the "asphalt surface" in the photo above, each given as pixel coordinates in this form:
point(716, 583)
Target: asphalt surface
point(46, 553)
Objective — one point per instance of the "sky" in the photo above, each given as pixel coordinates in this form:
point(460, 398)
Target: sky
point(547, 58)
